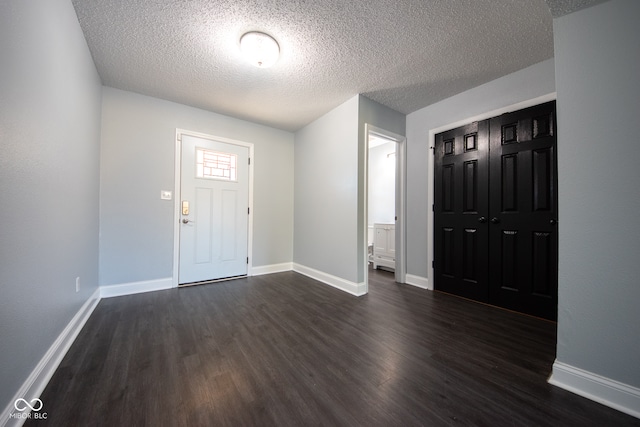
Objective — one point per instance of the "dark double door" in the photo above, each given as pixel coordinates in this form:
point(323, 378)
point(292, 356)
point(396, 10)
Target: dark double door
point(495, 222)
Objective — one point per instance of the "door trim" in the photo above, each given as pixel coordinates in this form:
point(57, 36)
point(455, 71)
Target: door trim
point(177, 196)
point(431, 165)
point(401, 201)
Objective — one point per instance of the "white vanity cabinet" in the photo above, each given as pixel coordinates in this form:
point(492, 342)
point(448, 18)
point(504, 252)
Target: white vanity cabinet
point(384, 245)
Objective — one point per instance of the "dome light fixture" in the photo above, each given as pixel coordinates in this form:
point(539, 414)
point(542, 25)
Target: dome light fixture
point(259, 49)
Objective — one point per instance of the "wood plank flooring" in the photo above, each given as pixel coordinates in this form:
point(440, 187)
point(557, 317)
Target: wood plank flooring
point(285, 350)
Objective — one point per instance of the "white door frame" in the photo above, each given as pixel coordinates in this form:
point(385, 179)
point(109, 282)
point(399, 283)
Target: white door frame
point(177, 198)
point(401, 204)
point(431, 163)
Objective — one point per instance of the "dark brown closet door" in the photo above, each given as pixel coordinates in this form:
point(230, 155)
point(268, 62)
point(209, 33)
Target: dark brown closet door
point(461, 209)
point(523, 240)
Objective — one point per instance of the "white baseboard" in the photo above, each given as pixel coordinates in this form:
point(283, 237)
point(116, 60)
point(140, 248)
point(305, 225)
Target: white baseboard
point(357, 289)
point(419, 281)
point(33, 387)
point(603, 390)
point(136, 287)
point(273, 268)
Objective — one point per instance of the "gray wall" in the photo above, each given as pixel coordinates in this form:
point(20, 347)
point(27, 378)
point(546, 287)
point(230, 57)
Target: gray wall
point(137, 162)
point(529, 83)
point(49, 131)
point(597, 71)
point(329, 188)
point(326, 193)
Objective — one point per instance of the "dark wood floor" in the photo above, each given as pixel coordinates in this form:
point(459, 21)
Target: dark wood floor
point(285, 350)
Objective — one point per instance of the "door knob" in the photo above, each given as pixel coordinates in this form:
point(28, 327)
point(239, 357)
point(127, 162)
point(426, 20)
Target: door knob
point(552, 222)
point(186, 221)
point(495, 220)
point(482, 219)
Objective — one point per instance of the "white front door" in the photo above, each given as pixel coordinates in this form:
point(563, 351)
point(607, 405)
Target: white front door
point(214, 210)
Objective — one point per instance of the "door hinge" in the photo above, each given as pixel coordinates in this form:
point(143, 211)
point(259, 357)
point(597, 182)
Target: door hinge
point(433, 207)
point(248, 211)
point(249, 158)
point(247, 260)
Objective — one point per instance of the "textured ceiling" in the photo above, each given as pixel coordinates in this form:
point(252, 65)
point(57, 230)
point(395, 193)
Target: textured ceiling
point(405, 54)
point(564, 7)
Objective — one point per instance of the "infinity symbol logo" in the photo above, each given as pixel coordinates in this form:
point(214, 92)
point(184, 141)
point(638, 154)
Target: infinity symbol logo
point(34, 405)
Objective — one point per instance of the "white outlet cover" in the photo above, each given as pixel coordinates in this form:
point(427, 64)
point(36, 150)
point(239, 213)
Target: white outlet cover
point(166, 195)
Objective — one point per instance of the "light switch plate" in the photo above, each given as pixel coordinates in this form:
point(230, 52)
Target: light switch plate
point(166, 195)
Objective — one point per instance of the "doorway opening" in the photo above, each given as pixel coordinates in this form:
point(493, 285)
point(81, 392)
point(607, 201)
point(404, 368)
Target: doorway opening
point(385, 202)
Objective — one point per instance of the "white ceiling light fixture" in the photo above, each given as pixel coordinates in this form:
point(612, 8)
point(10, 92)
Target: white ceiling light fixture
point(259, 49)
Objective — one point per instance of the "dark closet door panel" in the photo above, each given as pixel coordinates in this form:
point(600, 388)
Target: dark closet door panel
point(447, 195)
point(461, 208)
point(509, 183)
point(542, 274)
point(447, 249)
point(523, 206)
point(542, 172)
point(470, 255)
point(509, 254)
point(470, 187)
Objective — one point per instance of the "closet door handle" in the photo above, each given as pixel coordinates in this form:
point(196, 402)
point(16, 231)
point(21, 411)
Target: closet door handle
point(495, 220)
point(482, 220)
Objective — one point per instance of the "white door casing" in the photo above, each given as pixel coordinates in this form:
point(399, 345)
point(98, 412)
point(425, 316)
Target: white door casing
point(400, 202)
point(213, 208)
